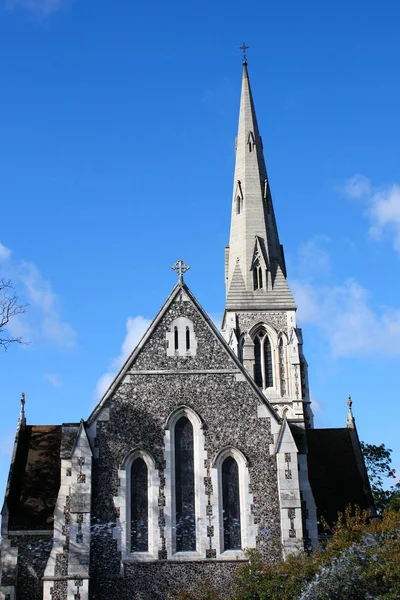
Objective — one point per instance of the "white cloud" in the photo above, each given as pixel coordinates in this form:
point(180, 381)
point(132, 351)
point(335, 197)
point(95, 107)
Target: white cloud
point(357, 187)
point(5, 253)
point(383, 206)
point(44, 7)
point(136, 327)
point(41, 295)
point(346, 320)
point(43, 312)
point(384, 214)
point(53, 379)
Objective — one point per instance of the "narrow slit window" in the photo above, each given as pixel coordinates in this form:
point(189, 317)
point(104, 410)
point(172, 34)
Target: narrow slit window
point(238, 205)
point(187, 338)
point(282, 370)
point(260, 277)
point(139, 506)
point(231, 504)
point(185, 519)
point(176, 338)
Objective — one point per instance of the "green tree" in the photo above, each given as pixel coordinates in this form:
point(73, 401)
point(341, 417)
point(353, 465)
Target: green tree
point(378, 461)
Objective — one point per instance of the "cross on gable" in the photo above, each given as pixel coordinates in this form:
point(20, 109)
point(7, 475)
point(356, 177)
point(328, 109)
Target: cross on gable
point(180, 267)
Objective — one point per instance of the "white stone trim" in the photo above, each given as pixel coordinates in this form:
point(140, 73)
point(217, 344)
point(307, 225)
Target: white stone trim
point(248, 529)
point(200, 471)
point(122, 501)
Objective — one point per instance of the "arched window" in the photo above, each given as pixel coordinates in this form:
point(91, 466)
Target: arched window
point(282, 370)
point(231, 504)
point(263, 368)
point(139, 506)
point(185, 519)
point(257, 275)
point(187, 338)
point(176, 338)
point(181, 338)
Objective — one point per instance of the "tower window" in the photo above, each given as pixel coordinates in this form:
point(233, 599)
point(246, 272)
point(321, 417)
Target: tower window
point(231, 504)
point(238, 205)
point(263, 367)
point(257, 275)
point(184, 486)
point(139, 506)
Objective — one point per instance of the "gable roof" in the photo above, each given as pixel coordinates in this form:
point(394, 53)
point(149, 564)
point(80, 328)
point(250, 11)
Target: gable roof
point(334, 472)
point(180, 288)
point(35, 478)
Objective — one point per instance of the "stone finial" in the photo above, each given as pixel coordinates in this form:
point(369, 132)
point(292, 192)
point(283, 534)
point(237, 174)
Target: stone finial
point(244, 48)
point(350, 419)
point(180, 267)
point(22, 418)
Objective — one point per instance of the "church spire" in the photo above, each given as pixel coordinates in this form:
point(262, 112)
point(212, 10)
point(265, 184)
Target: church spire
point(255, 268)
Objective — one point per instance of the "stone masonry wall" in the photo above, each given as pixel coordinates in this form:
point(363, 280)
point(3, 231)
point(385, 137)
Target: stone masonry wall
point(33, 553)
point(139, 409)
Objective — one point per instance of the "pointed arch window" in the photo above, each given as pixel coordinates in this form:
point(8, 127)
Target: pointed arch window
point(185, 518)
point(176, 338)
point(231, 504)
point(139, 506)
point(263, 367)
point(238, 205)
point(257, 275)
point(187, 338)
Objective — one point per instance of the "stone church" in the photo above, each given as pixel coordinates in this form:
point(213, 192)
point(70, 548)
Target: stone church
point(202, 447)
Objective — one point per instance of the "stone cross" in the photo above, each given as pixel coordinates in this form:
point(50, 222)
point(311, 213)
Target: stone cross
point(180, 267)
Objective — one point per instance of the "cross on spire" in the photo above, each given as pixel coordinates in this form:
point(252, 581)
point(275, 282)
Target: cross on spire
point(243, 48)
point(180, 267)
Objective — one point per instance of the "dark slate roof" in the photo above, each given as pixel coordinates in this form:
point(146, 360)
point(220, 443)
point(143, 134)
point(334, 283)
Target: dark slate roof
point(35, 478)
point(336, 472)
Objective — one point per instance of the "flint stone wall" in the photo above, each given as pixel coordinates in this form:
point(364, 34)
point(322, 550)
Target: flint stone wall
point(139, 410)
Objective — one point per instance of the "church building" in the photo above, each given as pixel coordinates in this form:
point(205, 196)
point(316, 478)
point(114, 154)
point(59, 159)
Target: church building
point(203, 446)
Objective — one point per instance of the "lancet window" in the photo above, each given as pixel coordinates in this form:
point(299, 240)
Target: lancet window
point(263, 367)
point(139, 506)
point(185, 518)
point(257, 275)
point(282, 367)
point(231, 504)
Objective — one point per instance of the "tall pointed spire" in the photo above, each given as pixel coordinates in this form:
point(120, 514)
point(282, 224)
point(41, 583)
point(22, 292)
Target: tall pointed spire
point(254, 247)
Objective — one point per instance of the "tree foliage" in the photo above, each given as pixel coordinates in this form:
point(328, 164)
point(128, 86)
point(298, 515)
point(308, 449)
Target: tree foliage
point(360, 561)
point(378, 462)
point(9, 308)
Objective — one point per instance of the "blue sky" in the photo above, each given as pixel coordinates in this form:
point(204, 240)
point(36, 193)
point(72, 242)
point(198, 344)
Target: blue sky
point(117, 129)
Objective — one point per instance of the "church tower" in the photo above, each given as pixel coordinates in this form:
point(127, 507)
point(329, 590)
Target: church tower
point(260, 313)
